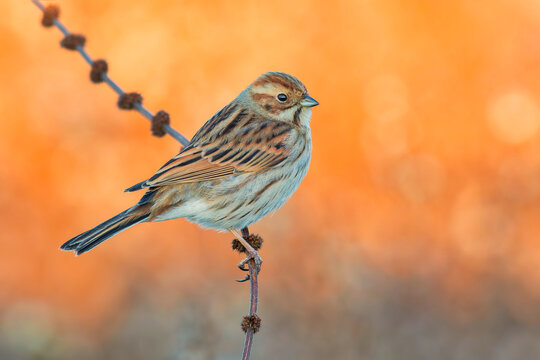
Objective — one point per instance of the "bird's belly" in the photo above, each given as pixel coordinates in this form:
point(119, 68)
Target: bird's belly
point(239, 201)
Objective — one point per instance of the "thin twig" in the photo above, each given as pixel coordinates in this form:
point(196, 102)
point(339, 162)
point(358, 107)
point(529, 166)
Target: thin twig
point(138, 106)
point(252, 322)
point(253, 302)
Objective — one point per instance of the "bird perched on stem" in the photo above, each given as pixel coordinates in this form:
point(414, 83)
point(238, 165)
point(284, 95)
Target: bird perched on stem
point(241, 165)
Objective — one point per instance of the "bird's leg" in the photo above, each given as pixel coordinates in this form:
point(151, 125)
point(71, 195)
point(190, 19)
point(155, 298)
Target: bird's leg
point(251, 253)
point(245, 234)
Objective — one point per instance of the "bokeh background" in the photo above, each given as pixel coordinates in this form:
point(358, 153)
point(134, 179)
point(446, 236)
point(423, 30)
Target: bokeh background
point(414, 236)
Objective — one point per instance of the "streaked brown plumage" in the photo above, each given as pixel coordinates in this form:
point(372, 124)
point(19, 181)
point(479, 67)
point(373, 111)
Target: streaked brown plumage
point(242, 164)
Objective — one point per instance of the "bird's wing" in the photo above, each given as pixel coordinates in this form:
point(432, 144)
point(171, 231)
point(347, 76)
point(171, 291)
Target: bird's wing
point(221, 152)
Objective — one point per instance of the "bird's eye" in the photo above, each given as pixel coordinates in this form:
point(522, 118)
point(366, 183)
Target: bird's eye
point(282, 97)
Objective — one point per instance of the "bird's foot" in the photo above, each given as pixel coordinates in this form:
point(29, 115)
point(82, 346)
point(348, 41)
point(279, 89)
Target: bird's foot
point(257, 261)
point(248, 244)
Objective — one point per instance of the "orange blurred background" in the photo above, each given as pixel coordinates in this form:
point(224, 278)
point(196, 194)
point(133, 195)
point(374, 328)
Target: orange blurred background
point(414, 235)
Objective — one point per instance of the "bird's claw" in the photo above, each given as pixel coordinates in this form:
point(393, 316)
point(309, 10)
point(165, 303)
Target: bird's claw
point(244, 279)
point(251, 255)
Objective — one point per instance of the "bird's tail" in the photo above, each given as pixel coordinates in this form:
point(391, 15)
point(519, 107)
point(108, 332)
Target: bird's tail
point(92, 238)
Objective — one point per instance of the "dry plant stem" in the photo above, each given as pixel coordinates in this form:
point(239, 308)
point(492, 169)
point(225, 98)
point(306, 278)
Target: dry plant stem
point(253, 301)
point(141, 109)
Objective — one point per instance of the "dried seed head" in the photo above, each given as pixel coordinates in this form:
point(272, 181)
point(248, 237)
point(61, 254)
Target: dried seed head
point(50, 13)
point(158, 122)
point(71, 41)
point(251, 322)
point(99, 68)
point(254, 240)
point(237, 246)
point(127, 101)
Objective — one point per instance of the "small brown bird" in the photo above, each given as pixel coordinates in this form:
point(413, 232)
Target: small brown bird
point(243, 164)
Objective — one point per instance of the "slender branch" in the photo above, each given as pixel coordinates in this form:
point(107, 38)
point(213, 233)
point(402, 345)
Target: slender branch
point(253, 302)
point(252, 322)
point(105, 78)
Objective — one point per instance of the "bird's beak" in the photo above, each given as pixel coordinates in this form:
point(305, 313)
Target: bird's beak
point(308, 101)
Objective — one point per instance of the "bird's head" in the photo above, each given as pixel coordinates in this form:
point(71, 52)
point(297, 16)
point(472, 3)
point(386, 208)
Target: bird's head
point(280, 96)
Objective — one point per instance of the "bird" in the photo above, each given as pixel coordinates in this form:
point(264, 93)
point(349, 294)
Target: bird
point(242, 164)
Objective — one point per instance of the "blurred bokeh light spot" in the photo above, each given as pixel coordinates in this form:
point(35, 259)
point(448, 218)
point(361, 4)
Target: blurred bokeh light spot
point(514, 117)
point(481, 227)
point(419, 177)
point(386, 103)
